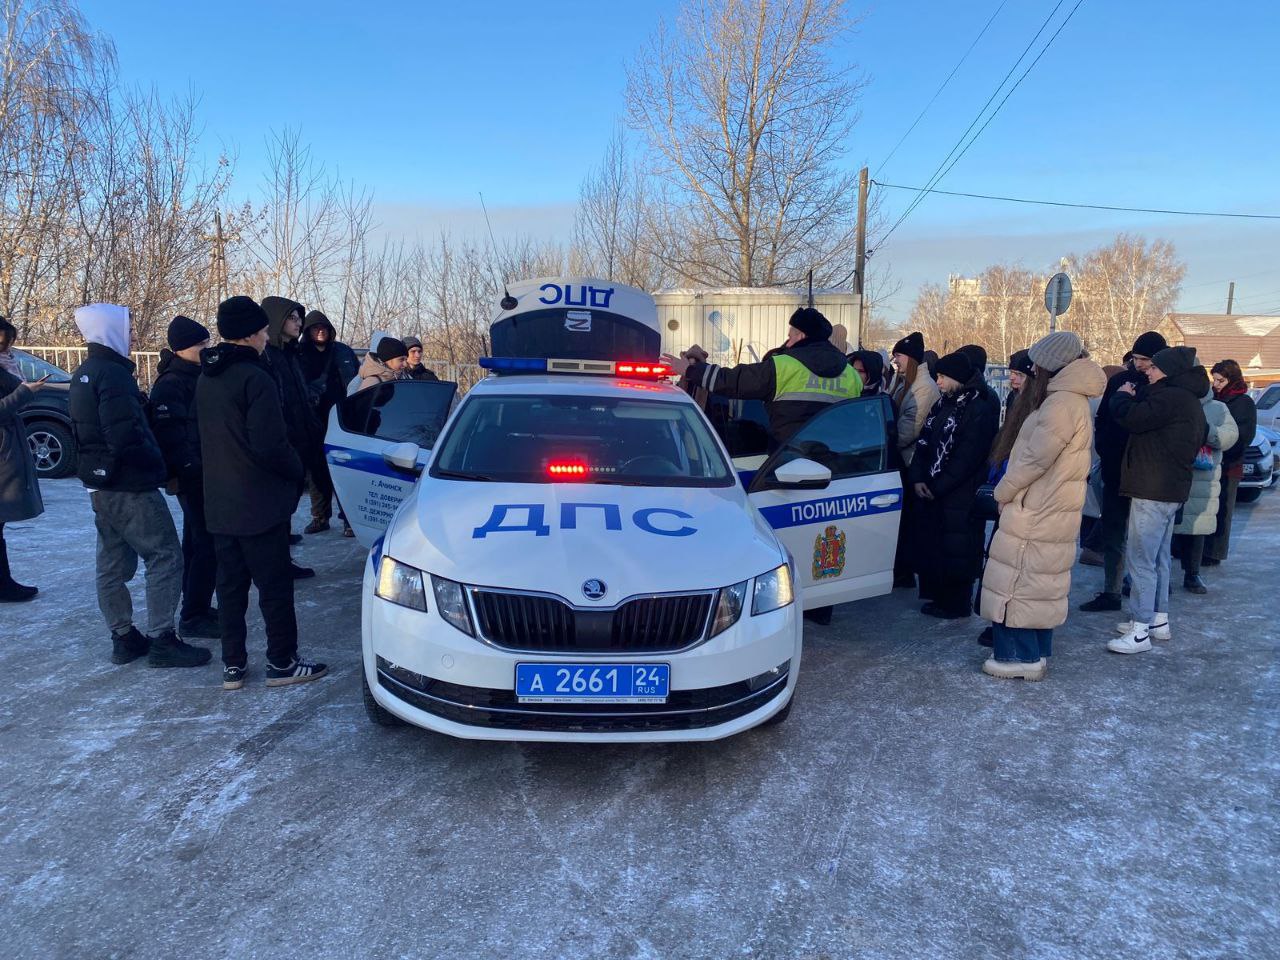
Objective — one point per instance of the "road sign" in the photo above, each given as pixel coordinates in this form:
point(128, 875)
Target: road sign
point(1057, 298)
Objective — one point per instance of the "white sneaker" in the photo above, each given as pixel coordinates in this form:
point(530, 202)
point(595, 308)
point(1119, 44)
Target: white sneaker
point(1157, 631)
point(1136, 640)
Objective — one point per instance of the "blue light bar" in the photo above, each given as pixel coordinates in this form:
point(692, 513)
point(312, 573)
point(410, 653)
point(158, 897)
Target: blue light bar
point(514, 364)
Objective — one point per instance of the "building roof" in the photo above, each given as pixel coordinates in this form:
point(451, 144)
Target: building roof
point(1253, 341)
point(1224, 324)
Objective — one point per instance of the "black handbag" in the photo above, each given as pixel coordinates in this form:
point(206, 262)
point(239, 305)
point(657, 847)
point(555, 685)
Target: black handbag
point(984, 506)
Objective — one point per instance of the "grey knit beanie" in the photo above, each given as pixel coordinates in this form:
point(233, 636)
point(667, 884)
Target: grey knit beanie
point(1055, 351)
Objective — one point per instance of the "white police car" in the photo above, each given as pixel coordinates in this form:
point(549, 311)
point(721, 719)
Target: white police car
point(571, 554)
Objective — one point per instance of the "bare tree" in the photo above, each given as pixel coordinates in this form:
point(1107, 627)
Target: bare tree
point(746, 119)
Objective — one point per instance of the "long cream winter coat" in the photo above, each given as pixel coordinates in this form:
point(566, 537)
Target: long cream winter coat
point(1028, 574)
point(1200, 512)
point(914, 410)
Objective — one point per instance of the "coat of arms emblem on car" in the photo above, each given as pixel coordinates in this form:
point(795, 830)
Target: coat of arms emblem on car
point(829, 553)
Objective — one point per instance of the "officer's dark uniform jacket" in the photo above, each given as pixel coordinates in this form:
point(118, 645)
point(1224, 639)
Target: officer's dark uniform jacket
point(795, 383)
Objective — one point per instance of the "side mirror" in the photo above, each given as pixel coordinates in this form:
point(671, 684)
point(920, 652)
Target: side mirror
point(802, 474)
point(403, 457)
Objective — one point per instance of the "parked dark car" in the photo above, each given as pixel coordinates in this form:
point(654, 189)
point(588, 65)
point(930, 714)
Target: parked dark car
point(48, 424)
point(1259, 468)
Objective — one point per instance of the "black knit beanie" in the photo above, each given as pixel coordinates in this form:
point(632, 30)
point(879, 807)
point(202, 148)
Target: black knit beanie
point(956, 366)
point(976, 355)
point(389, 348)
point(912, 345)
point(239, 318)
point(1149, 344)
point(1021, 361)
point(1175, 360)
point(185, 332)
point(811, 323)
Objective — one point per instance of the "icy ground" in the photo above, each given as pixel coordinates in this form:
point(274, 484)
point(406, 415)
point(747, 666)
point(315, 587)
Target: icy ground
point(910, 808)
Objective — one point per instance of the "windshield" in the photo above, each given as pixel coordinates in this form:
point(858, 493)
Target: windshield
point(33, 368)
point(547, 439)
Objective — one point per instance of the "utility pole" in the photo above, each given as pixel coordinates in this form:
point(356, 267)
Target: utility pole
point(864, 183)
point(219, 258)
point(1231, 296)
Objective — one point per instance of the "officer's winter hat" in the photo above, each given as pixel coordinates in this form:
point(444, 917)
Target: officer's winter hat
point(389, 348)
point(912, 345)
point(185, 332)
point(956, 366)
point(811, 323)
point(240, 318)
point(1054, 351)
point(1149, 344)
point(1175, 360)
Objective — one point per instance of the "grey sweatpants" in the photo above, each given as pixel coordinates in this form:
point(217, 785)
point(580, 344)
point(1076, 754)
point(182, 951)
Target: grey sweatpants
point(132, 525)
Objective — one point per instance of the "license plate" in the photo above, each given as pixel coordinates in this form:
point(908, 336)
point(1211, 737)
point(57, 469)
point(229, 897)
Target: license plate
point(1248, 468)
point(592, 682)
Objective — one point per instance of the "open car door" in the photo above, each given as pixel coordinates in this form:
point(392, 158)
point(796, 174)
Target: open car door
point(364, 429)
point(842, 531)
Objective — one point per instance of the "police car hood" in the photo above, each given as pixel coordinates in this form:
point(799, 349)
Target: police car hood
point(553, 537)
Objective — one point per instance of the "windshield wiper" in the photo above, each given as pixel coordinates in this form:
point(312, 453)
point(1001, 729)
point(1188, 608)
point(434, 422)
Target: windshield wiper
point(461, 475)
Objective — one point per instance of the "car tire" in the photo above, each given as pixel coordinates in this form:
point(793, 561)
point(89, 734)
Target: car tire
point(1248, 494)
point(378, 714)
point(53, 448)
point(781, 716)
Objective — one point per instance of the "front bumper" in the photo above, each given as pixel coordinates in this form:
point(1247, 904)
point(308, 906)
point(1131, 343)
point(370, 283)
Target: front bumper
point(429, 674)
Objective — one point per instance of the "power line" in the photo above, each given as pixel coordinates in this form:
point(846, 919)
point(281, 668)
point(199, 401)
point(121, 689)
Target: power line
point(1082, 206)
point(938, 92)
point(945, 167)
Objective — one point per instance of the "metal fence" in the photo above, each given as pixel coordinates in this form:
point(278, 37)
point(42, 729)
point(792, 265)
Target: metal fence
point(465, 375)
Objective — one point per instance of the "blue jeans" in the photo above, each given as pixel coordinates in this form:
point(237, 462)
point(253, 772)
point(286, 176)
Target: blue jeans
point(1146, 557)
point(1020, 643)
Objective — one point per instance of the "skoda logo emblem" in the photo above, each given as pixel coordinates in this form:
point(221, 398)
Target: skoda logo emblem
point(594, 589)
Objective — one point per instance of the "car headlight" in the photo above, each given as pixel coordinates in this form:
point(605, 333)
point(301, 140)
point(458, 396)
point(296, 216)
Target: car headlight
point(773, 590)
point(401, 583)
point(451, 603)
point(728, 607)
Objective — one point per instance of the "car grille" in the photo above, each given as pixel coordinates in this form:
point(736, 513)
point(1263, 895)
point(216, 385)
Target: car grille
point(521, 621)
point(499, 709)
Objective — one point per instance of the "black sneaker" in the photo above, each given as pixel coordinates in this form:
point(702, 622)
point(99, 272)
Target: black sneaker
point(1194, 584)
point(168, 651)
point(317, 526)
point(13, 592)
point(300, 573)
point(203, 626)
point(300, 671)
point(128, 647)
point(233, 677)
point(295, 539)
point(1102, 602)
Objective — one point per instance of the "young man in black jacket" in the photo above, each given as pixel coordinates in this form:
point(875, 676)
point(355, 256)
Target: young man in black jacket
point(251, 478)
point(1110, 439)
point(415, 369)
point(281, 358)
point(119, 460)
point(171, 410)
point(327, 366)
point(1166, 430)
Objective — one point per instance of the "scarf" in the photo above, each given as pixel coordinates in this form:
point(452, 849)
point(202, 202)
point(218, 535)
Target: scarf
point(945, 442)
point(1231, 390)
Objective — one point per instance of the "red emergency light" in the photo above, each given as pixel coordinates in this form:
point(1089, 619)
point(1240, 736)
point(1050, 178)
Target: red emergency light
point(624, 368)
point(566, 469)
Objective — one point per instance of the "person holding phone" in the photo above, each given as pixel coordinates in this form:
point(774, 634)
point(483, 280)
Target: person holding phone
point(19, 485)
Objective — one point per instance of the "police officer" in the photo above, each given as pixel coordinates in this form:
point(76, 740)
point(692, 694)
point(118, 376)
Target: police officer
point(795, 381)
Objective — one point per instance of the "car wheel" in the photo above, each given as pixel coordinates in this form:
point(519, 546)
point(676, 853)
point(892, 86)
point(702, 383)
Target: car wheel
point(53, 449)
point(376, 711)
point(1248, 494)
point(781, 715)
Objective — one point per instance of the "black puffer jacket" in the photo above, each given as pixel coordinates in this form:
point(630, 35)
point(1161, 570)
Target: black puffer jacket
point(990, 400)
point(1109, 438)
point(171, 411)
point(946, 541)
point(1245, 413)
point(115, 448)
point(326, 371)
point(758, 381)
point(281, 358)
point(1166, 430)
point(251, 472)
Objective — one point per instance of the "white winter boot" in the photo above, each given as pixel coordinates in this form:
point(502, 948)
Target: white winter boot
point(1136, 640)
point(1016, 669)
point(1159, 629)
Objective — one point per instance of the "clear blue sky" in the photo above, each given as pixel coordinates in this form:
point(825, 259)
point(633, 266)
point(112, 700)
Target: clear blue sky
point(1139, 102)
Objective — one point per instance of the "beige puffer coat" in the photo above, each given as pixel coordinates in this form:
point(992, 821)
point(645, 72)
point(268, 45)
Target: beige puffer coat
point(372, 372)
point(913, 409)
point(1028, 574)
point(1200, 512)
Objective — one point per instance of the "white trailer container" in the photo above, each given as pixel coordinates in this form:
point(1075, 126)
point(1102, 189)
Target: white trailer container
point(739, 324)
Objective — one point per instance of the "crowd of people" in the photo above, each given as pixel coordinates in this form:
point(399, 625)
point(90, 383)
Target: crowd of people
point(236, 433)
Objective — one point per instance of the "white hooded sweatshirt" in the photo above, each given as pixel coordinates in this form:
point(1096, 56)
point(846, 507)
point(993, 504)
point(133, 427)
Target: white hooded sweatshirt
point(105, 323)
